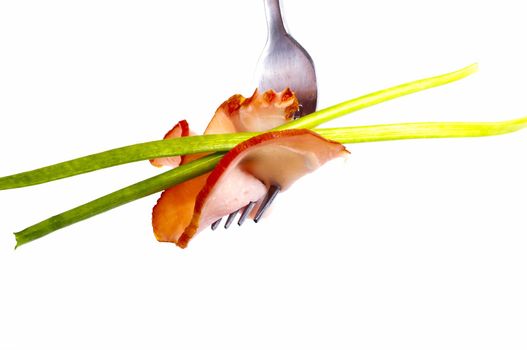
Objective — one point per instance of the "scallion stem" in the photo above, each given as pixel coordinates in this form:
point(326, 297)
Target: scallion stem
point(428, 130)
point(119, 156)
point(118, 198)
point(224, 142)
point(330, 113)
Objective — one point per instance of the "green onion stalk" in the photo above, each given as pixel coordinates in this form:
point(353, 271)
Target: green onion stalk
point(224, 142)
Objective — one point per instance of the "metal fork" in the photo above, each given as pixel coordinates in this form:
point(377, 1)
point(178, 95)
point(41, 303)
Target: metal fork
point(283, 63)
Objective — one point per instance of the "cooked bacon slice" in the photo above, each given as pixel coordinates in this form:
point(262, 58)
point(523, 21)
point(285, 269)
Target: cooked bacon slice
point(181, 129)
point(175, 208)
point(246, 172)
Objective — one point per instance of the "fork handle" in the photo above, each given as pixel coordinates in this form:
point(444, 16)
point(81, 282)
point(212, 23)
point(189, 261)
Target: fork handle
point(275, 24)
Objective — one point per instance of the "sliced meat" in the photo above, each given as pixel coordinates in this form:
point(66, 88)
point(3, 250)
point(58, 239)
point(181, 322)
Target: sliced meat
point(249, 169)
point(175, 208)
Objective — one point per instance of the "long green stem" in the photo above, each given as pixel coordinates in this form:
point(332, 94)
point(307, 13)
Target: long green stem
point(224, 142)
point(118, 156)
point(330, 113)
point(118, 198)
point(211, 143)
point(180, 174)
point(404, 131)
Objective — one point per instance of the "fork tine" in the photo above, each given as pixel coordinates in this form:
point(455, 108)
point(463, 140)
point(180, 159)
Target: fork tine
point(230, 218)
point(215, 224)
point(246, 212)
point(271, 195)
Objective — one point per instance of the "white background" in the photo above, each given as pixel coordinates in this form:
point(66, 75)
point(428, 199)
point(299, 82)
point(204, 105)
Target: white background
point(408, 244)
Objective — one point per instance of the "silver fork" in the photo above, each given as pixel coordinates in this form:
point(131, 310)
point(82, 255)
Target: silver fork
point(283, 63)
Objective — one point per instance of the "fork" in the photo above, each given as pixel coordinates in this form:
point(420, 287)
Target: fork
point(283, 63)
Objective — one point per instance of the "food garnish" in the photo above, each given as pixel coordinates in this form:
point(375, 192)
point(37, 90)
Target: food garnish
point(192, 197)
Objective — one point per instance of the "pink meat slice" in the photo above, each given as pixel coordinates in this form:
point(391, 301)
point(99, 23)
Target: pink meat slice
point(248, 170)
point(175, 208)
